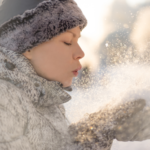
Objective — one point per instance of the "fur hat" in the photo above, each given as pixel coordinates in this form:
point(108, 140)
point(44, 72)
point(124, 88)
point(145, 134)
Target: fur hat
point(27, 23)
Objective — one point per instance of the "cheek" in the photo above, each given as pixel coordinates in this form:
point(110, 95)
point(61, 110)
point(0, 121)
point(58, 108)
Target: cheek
point(54, 63)
point(61, 57)
point(56, 60)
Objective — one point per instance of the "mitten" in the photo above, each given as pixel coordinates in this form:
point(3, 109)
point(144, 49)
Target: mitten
point(135, 128)
point(98, 130)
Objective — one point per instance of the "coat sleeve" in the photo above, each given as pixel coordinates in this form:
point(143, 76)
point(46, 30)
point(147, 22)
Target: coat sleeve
point(13, 118)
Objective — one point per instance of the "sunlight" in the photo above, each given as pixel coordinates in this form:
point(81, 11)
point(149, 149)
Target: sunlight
point(95, 12)
point(135, 2)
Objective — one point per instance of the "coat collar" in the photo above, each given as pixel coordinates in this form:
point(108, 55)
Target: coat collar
point(17, 69)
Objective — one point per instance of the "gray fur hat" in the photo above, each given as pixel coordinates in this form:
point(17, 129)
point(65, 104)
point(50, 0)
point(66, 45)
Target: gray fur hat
point(27, 23)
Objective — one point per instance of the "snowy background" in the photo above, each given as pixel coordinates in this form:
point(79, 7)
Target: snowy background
point(116, 66)
point(116, 84)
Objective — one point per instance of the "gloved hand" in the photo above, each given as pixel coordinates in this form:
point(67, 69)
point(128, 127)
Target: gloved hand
point(134, 128)
point(100, 128)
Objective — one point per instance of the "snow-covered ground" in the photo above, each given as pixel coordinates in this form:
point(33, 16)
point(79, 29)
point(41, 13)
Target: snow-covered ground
point(117, 85)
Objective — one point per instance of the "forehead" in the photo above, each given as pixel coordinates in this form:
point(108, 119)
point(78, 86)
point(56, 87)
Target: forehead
point(76, 29)
point(75, 32)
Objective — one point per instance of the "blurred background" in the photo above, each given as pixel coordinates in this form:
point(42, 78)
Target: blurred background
point(116, 66)
point(117, 32)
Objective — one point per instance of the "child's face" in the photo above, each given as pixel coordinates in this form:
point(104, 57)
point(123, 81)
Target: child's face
point(55, 60)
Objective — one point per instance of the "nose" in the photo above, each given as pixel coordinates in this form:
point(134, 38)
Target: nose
point(78, 53)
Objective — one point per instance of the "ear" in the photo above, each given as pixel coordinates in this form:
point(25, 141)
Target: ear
point(27, 54)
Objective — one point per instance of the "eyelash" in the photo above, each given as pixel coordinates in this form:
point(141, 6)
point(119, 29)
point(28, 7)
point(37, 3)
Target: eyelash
point(67, 43)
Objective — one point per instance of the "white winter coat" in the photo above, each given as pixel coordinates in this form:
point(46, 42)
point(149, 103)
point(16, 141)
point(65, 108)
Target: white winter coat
point(32, 116)
point(30, 113)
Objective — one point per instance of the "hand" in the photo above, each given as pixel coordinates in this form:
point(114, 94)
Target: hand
point(100, 128)
point(135, 128)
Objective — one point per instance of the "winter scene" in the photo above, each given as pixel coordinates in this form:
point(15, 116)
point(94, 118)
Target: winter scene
point(116, 64)
point(45, 104)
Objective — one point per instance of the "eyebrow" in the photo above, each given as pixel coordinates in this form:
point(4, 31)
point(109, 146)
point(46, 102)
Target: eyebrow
point(74, 35)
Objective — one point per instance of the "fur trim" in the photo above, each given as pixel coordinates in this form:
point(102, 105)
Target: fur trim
point(48, 19)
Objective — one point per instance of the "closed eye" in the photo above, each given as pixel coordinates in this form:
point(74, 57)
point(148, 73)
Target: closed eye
point(67, 43)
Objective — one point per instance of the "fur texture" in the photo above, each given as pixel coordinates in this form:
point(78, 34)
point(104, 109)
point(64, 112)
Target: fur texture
point(30, 113)
point(48, 19)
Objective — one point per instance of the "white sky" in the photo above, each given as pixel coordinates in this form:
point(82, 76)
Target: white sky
point(94, 11)
point(135, 2)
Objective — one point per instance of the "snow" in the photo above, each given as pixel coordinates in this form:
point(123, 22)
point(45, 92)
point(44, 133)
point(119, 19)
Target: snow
point(116, 84)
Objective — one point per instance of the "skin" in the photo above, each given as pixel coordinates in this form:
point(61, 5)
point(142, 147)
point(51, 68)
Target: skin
point(55, 59)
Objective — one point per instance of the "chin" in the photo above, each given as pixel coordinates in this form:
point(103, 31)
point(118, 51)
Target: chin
point(67, 83)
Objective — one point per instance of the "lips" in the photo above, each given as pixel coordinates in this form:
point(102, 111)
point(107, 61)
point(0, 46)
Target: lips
point(75, 72)
point(77, 69)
